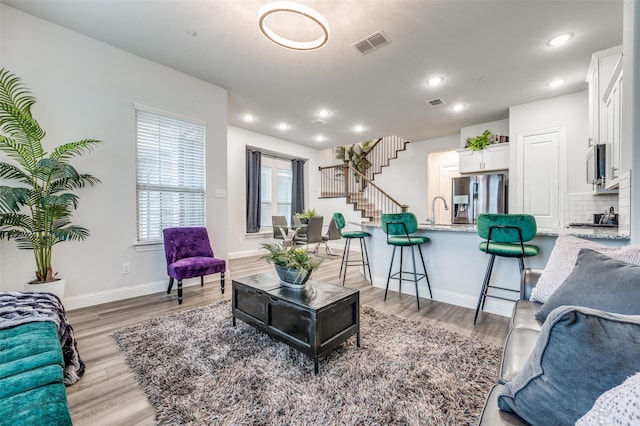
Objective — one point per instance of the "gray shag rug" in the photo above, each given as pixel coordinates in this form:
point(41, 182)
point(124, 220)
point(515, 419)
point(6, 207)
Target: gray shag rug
point(196, 368)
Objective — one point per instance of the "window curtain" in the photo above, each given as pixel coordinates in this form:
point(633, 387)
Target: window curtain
point(297, 191)
point(254, 163)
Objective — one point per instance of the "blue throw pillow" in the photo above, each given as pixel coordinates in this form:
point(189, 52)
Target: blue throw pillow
point(580, 354)
point(599, 282)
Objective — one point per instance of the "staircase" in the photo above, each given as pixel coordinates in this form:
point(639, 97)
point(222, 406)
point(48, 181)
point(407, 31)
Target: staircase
point(358, 188)
point(382, 152)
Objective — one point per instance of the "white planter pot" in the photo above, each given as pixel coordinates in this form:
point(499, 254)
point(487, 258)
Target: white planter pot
point(56, 287)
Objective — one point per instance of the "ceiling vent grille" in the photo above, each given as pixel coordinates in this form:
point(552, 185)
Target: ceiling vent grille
point(435, 102)
point(372, 42)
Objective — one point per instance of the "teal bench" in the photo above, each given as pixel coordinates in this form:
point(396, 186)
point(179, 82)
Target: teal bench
point(32, 390)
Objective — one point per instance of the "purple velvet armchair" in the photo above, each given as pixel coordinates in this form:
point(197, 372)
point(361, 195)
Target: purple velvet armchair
point(189, 254)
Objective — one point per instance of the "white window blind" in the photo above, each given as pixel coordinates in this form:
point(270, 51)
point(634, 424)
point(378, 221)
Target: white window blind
point(170, 174)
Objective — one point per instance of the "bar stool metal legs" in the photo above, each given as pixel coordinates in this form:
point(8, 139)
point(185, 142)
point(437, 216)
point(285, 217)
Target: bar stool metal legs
point(486, 286)
point(364, 261)
point(414, 274)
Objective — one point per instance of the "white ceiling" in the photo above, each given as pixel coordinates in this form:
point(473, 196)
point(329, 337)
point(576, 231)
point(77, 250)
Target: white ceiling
point(492, 54)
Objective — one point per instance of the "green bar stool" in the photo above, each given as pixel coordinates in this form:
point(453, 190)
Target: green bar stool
point(398, 227)
point(505, 236)
point(348, 236)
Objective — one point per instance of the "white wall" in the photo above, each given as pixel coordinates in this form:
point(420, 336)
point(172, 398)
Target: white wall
point(631, 108)
point(86, 89)
point(568, 111)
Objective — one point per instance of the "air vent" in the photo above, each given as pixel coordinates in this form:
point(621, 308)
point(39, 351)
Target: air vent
point(372, 42)
point(435, 102)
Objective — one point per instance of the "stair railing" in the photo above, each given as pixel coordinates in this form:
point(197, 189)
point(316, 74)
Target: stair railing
point(345, 181)
point(379, 154)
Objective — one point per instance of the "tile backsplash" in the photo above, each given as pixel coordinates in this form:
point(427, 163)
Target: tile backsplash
point(624, 203)
point(579, 207)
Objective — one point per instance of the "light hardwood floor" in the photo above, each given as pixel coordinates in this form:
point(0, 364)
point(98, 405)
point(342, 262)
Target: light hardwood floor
point(108, 394)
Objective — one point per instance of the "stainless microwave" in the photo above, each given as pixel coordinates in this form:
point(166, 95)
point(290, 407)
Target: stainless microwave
point(596, 164)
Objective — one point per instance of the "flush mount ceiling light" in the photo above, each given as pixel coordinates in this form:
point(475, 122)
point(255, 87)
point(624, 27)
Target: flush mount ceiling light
point(358, 128)
point(323, 113)
point(320, 138)
point(270, 10)
point(248, 118)
point(458, 107)
point(560, 39)
point(435, 81)
point(283, 126)
point(555, 83)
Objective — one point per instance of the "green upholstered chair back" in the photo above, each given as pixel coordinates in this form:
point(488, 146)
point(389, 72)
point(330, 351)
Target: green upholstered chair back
point(340, 222)
point(399, 223)
point(507, 224)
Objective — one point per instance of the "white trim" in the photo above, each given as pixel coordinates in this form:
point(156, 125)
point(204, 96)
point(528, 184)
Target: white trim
point(170, 114)
point(245, 253)
point(148, 246)
point(492, 306)
point(100, 297)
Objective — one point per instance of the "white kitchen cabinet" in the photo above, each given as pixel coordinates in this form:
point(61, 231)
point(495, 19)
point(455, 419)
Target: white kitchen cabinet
point(493, 157)
point(612, 124)
point(601, 68)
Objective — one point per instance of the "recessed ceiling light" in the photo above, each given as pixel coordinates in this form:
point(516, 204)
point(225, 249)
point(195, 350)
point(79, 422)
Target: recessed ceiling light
point(288, 7)
point(320, 138)
point(323, 113)
point(560, 39)
point(458, 107)
point(359, 128)
point(555, 83)
point(435, 81)
point(283, 126)
point(248, 118)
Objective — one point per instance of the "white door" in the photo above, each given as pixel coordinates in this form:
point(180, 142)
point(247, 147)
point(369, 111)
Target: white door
point(541, 176)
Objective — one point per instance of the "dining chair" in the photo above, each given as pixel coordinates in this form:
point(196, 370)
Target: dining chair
point(279, 224)
point(189, 255)
point(333, 233)
point(312, 234)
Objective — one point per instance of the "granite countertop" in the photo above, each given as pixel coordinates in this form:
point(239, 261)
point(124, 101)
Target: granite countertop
point(588, 233)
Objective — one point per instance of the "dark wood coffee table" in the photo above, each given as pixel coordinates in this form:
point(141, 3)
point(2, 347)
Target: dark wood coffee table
point(313, 320)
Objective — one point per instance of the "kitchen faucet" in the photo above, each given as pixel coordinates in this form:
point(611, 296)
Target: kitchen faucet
point(432, 219)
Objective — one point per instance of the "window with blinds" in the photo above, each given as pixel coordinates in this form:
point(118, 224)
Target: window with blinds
point(170, 173)
point(275, 189)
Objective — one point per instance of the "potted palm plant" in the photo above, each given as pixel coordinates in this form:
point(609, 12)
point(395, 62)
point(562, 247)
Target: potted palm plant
point(36, 210)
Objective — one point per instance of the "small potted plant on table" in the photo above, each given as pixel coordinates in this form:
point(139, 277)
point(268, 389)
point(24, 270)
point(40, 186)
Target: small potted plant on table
point(305, 215)
point(293, 264)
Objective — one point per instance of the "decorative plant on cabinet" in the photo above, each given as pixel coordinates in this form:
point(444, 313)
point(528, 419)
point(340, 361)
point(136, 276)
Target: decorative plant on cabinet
point(37, 211)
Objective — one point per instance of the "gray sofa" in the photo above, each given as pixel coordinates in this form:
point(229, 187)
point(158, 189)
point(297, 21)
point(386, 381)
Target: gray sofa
point(520, 341)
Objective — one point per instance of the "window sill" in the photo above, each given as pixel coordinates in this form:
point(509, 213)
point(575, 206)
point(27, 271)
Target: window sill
point(260, 234)
point(149, 246)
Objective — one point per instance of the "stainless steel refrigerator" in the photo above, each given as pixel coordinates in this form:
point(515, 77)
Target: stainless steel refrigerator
point(476, 194)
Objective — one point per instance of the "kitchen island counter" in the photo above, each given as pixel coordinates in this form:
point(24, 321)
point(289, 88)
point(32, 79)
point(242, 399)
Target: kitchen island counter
point(596, 233)
point(456, 266)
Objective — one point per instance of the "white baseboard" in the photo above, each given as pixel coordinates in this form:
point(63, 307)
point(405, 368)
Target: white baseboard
point(100, 297)
point(246, 253)
point(493, 306)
